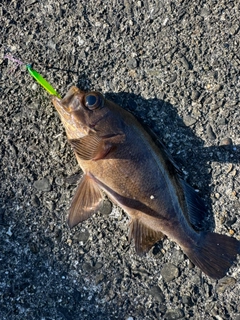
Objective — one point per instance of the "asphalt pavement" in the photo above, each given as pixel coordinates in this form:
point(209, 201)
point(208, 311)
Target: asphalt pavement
point(175, 65)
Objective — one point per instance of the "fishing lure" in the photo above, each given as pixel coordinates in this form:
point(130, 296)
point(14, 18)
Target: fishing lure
point(46, 85)
point(37, 76)
point(17, 62)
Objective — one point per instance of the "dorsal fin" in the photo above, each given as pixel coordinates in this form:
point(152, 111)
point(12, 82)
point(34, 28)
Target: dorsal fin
point(194, 206)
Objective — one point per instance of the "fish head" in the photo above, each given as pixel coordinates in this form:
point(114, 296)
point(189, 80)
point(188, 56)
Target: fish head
point(83, 113)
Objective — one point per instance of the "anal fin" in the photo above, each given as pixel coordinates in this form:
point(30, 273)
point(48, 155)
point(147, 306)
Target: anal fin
point(86, 201)
point(144, 237)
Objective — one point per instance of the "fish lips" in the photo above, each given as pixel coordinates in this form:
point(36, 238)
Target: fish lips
point(67, 108)
point(72, 101)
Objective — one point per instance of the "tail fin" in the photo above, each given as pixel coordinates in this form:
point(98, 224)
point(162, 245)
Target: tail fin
point(215, 255)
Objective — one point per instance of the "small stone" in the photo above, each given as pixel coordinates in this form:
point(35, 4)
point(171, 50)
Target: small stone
point(226, 142)
point(222, 220)
point(204, 12)
point(82, 54)
point(106, 208)
point(174, 314)
point(187, 300)
point(42, 184)
point(188, 120)
point(217, 88)
point(30, 2)
point(225, 283)
point(215, 73)
point(208, 100)
point(132, 73)
point(34, 87)
point(234, 172)
point(82, 236)
point(97, 266)
point(58, 235)
point(215, 106)
point(178, 256)
point(230, 167)
point(195, 95)
point(87, 267)
point(9, 232)
point(221, 121)
point(157, 293)
point(186, 63)
point(73, 179)
point(35, 201)
point(173, 78)
point(33, 247)
point(99, 278)
point(132, 63)
point(211, 135)
point(59, 181)
point(69, 242)
point(50, 205)
point(52, 44)
point(169, 272)
point(230, 222)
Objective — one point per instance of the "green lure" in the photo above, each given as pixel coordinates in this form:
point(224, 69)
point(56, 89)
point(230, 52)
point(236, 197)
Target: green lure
point(46, 85)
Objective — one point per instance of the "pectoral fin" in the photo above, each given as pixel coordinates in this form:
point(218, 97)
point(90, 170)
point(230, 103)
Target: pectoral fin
point(144, 237)
point(87, 200)
point(91, 147)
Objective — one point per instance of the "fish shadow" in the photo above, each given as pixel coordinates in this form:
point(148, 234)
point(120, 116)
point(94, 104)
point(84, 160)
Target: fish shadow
point(186, 149)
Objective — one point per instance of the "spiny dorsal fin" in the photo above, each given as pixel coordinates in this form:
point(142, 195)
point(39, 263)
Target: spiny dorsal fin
point(86, 201)
point(144, 237)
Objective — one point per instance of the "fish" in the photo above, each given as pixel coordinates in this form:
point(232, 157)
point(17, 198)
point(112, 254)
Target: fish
point(121, 159)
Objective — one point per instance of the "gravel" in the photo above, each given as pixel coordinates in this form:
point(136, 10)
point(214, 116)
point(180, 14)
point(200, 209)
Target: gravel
point(175, 65)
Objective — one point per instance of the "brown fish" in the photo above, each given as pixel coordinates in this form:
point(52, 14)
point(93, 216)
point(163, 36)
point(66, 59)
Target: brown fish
point(120, 158)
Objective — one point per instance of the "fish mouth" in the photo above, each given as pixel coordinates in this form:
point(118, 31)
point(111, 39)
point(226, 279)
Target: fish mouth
point(71, 101)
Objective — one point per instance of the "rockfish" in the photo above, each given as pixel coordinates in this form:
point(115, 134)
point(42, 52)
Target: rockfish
point(120, 158)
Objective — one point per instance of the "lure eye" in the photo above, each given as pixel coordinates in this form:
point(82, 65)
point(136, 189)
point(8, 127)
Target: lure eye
point(92, 101)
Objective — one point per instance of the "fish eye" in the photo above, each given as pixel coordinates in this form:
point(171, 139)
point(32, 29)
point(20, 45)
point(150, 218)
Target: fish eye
point(92, 101)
